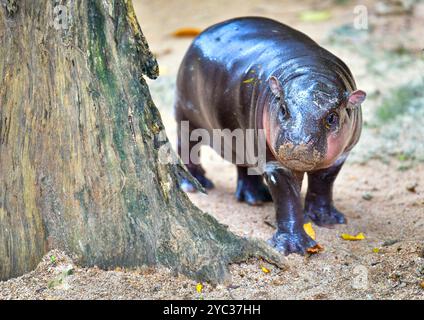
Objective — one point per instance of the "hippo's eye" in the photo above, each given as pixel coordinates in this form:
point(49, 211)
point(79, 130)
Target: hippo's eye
point(332, 120)
point(282, 114)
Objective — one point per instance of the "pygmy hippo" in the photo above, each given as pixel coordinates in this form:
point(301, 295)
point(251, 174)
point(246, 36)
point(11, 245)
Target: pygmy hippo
point(257, 74)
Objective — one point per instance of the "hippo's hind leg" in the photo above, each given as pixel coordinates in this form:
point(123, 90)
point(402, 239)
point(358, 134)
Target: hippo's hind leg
point(195, 169)
point(251, 188)
point(319, 205)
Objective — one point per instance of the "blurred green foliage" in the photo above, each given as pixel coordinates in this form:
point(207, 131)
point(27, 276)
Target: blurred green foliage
point(402, 100)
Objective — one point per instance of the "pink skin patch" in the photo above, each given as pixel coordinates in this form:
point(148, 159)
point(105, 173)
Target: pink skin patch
point(267, 128)
point(336, 144)
point(335, 147)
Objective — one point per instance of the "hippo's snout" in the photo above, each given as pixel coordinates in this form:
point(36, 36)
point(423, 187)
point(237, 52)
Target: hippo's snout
point(299, 157)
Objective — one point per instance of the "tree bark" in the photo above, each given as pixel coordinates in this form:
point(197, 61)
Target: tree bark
point(80, 142)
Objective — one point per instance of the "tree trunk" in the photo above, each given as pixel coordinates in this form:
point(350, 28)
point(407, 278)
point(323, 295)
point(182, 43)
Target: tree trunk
point(80, 142)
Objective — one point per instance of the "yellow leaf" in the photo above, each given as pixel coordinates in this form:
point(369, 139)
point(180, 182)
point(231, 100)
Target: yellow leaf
point(249, 80)
point(359, 236)
point(309, 230)
point(199, 287)
point(186, 32)
point(265, 270)
point(376, 250)
point(422, 284)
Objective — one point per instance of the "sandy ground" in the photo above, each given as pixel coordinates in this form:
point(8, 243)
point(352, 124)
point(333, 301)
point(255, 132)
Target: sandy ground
point(383, 202)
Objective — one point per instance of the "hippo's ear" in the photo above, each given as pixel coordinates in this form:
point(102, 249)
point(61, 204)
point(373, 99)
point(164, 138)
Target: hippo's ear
point(275, 86)
point(356, 98)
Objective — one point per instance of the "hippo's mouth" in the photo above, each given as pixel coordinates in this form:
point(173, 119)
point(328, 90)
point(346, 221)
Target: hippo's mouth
point(299, 165)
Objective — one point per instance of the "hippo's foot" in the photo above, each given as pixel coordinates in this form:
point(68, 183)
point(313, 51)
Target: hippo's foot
point(323, 215)
point(199, 174)
point(253, 193)
point(287, 243)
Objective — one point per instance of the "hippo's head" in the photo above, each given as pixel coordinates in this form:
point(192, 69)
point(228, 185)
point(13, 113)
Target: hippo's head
point(311, 121)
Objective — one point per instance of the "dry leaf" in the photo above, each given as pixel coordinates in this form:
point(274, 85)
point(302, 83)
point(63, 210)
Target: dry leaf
point(315, 249)
point(186, 32)
point(309, 230)
point(359, 236)
point(422, 284)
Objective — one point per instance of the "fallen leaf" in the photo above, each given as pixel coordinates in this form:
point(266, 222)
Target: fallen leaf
point(422, 284)
point(376, 250)
point(315, 16)
point(359, 236)
point(265, 270)
point(309, 230)
point(199, 287)
point(315, 249)
point(186, 32)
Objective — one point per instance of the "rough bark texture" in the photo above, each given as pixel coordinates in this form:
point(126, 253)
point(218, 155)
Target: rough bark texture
point(79, 149)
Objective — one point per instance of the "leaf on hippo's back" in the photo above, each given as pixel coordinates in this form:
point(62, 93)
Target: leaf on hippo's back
point(309, 230)
point(249, 80)
point(315, 16)
point(186, 32)
point(349, 237)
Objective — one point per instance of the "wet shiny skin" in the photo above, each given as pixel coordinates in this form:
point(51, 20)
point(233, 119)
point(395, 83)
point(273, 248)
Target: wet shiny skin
point(256, 73)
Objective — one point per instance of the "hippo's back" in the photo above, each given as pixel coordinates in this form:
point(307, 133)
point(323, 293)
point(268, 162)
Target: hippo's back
point(226, 67)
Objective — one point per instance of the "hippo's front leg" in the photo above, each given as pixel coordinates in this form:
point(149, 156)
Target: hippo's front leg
point(285, 185)
point(319, 205)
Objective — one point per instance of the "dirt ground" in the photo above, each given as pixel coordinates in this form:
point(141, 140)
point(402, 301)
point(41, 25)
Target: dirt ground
point(381, 190)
